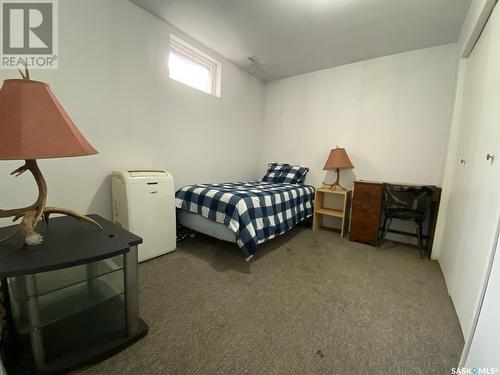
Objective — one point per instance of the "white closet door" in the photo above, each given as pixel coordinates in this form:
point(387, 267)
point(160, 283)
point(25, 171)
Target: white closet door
point(485, 348)
point(474, 196)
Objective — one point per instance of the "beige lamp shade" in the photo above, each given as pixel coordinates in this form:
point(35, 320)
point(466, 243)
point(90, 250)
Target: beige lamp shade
point(34, 125)
point(338, 159)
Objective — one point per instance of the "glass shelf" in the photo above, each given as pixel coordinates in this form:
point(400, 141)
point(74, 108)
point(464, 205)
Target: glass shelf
point(93, 328)
point(66, 301)
point(48, 282)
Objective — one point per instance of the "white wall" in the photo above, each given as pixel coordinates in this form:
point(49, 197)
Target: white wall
point(392, 115)
point(112, 80)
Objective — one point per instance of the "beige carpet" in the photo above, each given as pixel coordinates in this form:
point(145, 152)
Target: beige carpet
point(309, 303)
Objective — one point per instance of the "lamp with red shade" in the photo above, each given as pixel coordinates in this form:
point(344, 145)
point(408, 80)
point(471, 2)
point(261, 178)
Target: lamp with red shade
point(337, 160)
point(34, 125)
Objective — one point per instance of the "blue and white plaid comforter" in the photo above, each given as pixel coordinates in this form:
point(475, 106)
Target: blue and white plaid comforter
point(255, 211)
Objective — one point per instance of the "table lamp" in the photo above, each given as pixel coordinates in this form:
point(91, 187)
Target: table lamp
point(34, 125)
point(337, 160)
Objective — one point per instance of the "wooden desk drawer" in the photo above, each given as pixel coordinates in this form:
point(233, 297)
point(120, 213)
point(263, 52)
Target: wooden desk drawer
point(367, 193)
point(366, 211)
point(366, 237)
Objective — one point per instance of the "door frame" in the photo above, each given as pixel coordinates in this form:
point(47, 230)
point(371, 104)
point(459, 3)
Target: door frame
point(481, 22)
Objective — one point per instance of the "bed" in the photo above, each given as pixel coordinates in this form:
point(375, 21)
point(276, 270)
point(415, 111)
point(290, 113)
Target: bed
point(247, 213)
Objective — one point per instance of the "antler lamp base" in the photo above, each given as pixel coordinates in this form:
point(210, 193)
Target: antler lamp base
point(336, 185)
point(32, 214)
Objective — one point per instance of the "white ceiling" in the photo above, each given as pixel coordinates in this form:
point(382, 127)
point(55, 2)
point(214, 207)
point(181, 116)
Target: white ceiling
point(297, 36)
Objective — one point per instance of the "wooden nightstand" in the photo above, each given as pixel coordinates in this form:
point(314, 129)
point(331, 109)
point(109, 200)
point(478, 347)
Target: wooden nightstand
point(320, 209)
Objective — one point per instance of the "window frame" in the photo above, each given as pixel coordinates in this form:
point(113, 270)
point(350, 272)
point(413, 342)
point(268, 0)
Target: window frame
point(214, 67)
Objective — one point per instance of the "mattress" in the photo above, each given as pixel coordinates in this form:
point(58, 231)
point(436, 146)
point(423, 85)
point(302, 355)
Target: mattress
point(203, 225)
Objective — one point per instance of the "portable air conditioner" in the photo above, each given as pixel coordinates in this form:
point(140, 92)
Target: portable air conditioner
point(143, 203)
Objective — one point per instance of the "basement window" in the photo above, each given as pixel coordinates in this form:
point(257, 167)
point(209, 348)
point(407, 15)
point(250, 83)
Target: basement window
point(192, 67)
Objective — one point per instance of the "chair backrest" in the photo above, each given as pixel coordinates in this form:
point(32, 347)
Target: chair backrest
point(403, 197)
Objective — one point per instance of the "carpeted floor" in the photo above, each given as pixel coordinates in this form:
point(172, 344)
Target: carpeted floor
point(309, 303)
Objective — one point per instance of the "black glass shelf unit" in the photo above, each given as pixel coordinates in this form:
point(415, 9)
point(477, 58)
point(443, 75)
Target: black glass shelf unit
point(71, 301)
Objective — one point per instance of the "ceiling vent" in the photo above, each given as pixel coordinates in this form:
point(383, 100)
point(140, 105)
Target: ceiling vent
point(254, 60)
